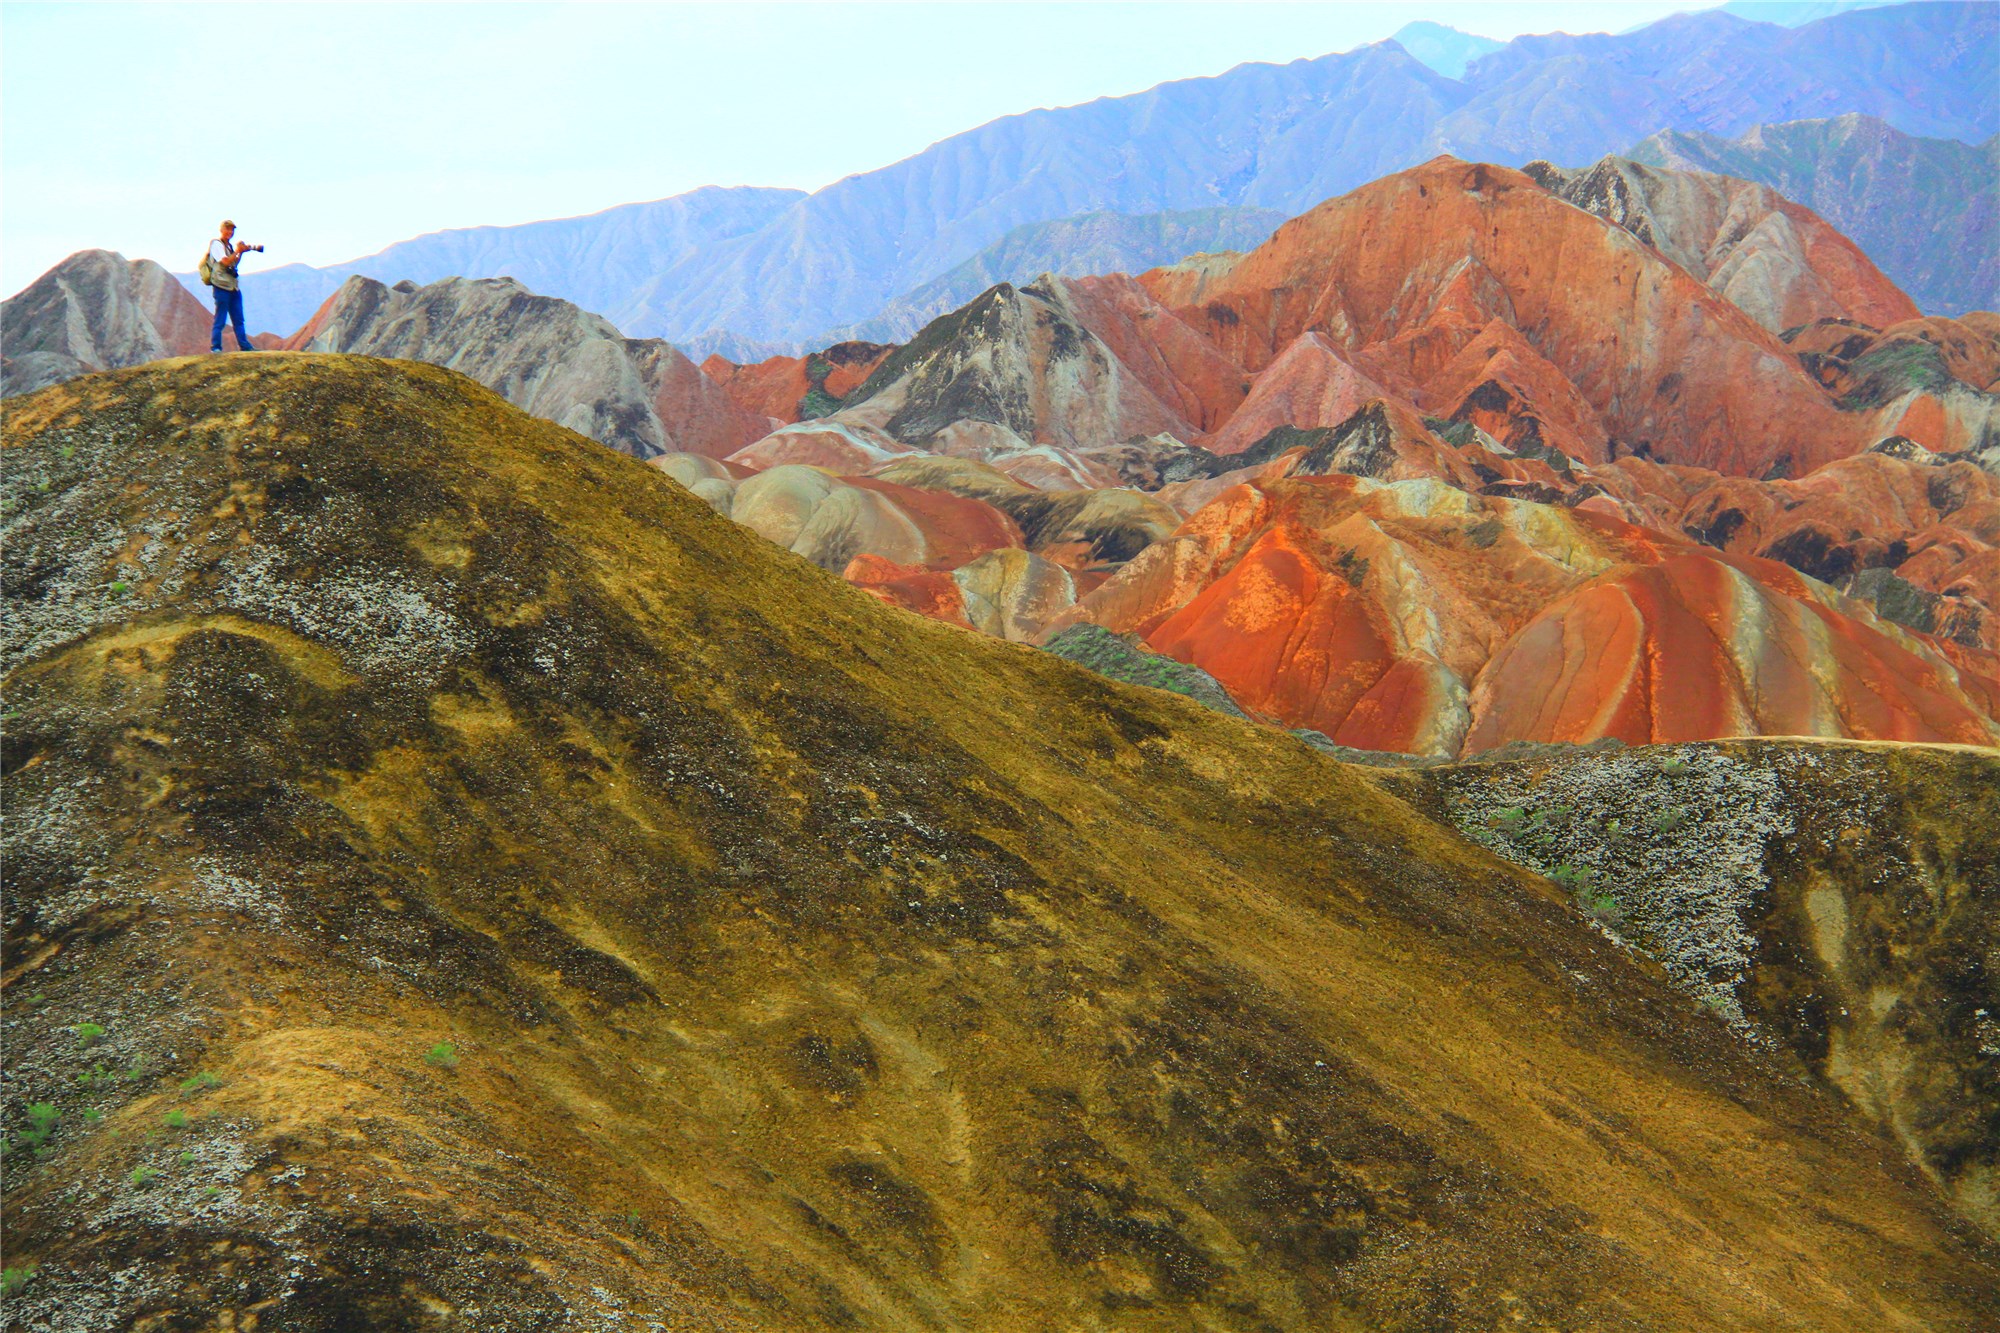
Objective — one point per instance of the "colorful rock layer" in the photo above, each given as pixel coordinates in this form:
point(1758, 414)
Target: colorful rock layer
point(1466, 457)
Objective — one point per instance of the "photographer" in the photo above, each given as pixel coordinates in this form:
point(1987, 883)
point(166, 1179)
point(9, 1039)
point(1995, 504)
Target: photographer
point(220, 271)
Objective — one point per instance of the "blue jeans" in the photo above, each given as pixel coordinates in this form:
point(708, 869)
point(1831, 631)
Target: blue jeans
point(228, 307)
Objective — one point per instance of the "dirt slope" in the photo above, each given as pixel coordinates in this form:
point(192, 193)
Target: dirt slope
point(1840, 899)
point(807, 964)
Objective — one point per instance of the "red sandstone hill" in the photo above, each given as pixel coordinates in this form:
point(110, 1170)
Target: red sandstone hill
point(1622, 311)
point(1419, 607)
point(1932, 525)
point(1782, 263)
point(1405, 273)
point(1418, 617)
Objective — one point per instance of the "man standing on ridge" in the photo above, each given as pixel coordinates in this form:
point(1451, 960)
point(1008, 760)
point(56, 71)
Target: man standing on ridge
point(220, 271)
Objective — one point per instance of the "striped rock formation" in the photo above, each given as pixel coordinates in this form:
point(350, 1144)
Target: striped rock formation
point(97, 311)
point(830, 520)
point(1780, 262)
point(1415, 616)
point(1405, 274)
point(546, 356)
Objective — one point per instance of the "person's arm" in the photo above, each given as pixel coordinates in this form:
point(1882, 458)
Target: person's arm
point(231, 257)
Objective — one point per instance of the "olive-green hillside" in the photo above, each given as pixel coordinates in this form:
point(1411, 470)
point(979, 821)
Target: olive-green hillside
point(456, 881)
point(1840, 899)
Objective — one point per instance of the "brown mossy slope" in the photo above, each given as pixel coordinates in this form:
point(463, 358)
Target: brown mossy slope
point(1836, 899)
point(807, 964)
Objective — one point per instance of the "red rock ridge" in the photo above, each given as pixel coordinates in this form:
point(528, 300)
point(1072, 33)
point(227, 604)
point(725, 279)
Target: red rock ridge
point(770, 388)
point(1778, 261)
point(1409, 270)
point(1500, 384)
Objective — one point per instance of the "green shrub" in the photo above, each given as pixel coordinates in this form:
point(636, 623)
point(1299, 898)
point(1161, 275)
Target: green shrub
point(444, 1055)
point(1581, 882)
point(176, 1120)
point(1889, 372)
point(1574, 878)
point(201, 1082)
point(88, 1035)
point(42, 1119)
point(1455, 433)
point(1601, 908)
point(1671, 819)
point(818, 403)
point(13, 1279)
point(142, 1176)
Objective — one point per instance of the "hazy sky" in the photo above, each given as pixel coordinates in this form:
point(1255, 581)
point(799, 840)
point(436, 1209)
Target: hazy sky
point(329, 131)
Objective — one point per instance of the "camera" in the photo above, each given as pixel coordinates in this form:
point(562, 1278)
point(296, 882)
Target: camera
point(258, 248)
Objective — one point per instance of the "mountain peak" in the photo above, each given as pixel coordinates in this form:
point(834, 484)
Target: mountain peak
point(1445, 49)
point(96, 310)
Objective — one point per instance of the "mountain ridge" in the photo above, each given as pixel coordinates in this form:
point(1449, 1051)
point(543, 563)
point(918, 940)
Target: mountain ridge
point(1445, 49)
point(1081, 246)
point(1487, 121)
point(588, 259)
point(563, 363)
point(1926, 210)
point(841, 254)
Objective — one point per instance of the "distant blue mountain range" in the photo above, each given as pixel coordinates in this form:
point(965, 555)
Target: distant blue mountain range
point(580, 258)
point(784, 269)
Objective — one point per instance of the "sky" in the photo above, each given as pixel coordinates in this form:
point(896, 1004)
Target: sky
point(330, 131)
